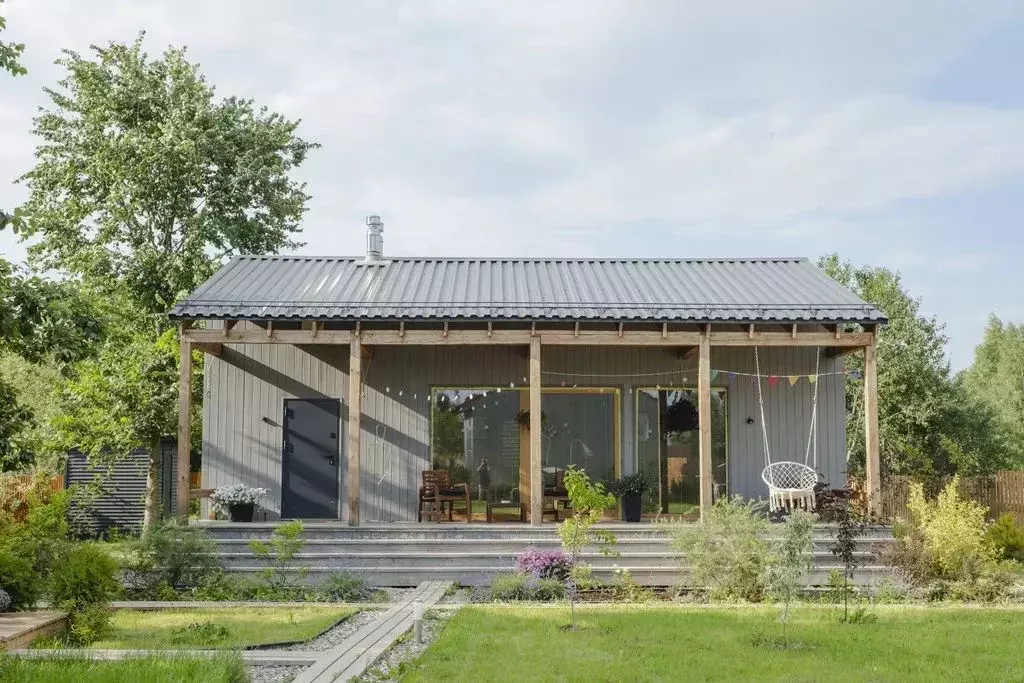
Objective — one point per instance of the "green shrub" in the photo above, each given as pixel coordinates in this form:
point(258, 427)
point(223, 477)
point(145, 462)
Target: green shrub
point(199, 633)
point(167, 559)
point(281, 579)
point(890, 592)
point(509, 588)
point(83, 584)
point(343, 587)
point(548, 590)
point(1006, 538)
point(626, 589)
point(727, 553)
point(18, 579)
point(953, 531)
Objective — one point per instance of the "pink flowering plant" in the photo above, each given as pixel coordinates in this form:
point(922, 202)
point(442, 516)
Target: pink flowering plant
point(544, 564)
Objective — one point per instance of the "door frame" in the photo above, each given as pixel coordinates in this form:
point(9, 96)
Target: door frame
point(339, 489)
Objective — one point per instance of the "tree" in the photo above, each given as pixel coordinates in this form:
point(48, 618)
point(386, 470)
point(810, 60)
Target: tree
point(996, 379)
point(125, 397)
point(928, 425)
point(40, 320)
point(9, 56)
point(145, 183)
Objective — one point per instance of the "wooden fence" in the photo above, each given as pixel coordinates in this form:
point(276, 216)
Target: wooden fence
point(17, 489)
point(1002, 493)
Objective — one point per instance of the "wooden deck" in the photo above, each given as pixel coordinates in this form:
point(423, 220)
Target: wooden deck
point(19, 629)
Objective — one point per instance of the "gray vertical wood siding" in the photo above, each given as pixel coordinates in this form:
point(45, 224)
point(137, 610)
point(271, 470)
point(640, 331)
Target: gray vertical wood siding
point(244, 391)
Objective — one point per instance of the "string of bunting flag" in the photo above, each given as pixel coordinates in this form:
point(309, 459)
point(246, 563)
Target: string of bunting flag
point(731, 375)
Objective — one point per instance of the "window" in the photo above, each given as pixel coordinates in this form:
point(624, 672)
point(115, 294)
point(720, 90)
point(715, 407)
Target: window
point(475, 436)
point(668, 450)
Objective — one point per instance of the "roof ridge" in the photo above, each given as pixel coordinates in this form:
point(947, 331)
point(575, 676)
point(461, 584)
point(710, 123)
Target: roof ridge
point(535, 259)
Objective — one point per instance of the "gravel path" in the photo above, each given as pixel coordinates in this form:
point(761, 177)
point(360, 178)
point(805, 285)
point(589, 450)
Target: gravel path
point(266, 673)
point(388, 666)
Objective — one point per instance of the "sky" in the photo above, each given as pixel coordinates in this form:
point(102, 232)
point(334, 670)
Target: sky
point(888, 131)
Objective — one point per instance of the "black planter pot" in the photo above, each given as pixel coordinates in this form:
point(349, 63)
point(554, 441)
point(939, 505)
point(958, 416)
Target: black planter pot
point(632, 507)
point(242, 512)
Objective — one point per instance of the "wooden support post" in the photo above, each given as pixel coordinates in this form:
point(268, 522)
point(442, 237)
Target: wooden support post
point(704, 419)
point(355, 413)
point(536, 425)
point(872, 459)
point(184, 427)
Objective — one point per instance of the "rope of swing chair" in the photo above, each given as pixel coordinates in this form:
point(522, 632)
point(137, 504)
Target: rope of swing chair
point(812, 435)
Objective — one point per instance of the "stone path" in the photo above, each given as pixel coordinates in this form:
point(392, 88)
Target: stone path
point(358, 651)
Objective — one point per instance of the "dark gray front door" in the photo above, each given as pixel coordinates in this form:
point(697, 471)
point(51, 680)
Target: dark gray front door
point(309, 478)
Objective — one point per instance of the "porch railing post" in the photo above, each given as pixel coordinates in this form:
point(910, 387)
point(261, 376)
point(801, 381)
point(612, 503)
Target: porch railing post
point(704, 418)
point(872, 461)
point(355, 413)
point(536, 425)
point(184, 425)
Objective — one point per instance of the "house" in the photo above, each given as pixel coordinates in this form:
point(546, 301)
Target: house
point(335, 382)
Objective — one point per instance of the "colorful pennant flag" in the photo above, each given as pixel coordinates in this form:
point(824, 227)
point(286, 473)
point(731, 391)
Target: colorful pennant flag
point(813, 379)
point(772, 381)
point(731, 376)
point(793, 379)
point(714, 374)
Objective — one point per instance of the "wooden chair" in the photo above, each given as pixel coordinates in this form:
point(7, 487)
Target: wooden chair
point(437, 489)
point(554, 495)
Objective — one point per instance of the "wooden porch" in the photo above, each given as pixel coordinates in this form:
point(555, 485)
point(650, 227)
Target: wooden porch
point(690, 340)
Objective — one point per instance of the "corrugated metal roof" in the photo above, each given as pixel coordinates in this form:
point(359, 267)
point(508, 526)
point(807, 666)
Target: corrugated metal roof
point(347, 288)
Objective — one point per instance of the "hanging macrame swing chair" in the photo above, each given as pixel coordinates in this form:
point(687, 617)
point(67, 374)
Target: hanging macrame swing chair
point(791, 484)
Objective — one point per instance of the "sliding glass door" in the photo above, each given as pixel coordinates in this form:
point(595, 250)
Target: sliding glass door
point(667, 434)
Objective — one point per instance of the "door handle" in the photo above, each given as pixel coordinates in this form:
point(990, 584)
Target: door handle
point(334, 435)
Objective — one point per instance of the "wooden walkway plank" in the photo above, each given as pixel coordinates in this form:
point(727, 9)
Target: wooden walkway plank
point(352, 656)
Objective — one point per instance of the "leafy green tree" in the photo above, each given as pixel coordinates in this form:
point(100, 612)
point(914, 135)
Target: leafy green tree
point(40, 322)
point(145, 182)
point(125, 397)
point(928, 424)
point(10, 54)
point(996, 379)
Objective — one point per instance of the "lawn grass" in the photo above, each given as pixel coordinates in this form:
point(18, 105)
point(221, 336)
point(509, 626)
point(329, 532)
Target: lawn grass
point(651, 644)
point(244, 626)
point(222, 669)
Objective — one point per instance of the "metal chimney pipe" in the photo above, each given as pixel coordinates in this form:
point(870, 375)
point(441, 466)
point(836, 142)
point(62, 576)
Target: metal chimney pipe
point(374, 238)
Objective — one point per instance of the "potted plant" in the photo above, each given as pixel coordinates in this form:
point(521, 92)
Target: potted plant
point(238, 500)
point(630, 490)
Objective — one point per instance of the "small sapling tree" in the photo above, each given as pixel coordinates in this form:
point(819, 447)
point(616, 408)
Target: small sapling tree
point(588, 501)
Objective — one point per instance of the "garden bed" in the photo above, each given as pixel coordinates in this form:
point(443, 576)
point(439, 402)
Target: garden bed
point(613, 644)
point(220, 629)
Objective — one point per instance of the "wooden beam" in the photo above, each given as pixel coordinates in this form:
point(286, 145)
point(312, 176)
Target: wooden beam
point(620, 329)
point(490, 329)
point(228, 326)
point(750, 331)
point(314, 328)
point(270, 328)
point(184, 425)
point(444, 333)
point(871, 450)
point(456, 337)
point(664, 330)
point(576, 329)
point(536, 425)
point(401, 329)
point(794, 330)
point(209, 347)
point(704, 421)
point(691, 352)
point(355, 427)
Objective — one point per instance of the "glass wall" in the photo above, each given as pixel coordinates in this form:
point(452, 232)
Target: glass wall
point(667, 448)
point(475, 436)
point(580, 428)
